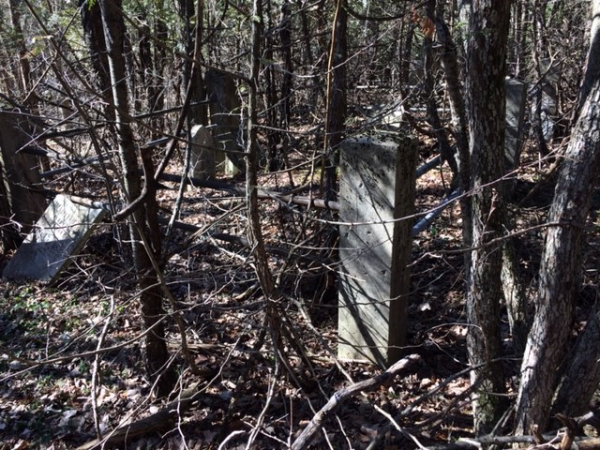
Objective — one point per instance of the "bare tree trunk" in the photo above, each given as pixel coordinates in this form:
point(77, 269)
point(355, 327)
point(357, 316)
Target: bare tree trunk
point(336, 96)
point(285, 34)
point(93, 32)
point(24, 68)
point(309, 59)
point(514, 297)
point(486, 67)
point(549, 334)
point(536, 47)
point(157, 96)
point(593, 61)
point(145, 64)
point(265, 277)
point(443, 144)
point(157, 355)
point(582, 376)
point(451, 68)
point(520, 37)
point(407, 59)
point(271, 98)
point(29, 96)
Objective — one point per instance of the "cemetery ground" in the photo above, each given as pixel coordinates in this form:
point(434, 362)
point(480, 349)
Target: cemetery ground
point(49, 335)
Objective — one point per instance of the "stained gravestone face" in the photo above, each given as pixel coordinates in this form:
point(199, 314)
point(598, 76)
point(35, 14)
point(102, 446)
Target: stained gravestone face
point(225, 110)
point(549, 97)
point(203, 154)
point(58, 235)
point(377, 184)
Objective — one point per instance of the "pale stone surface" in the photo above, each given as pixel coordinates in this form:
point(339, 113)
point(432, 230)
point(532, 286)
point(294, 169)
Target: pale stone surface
point(377, 184)
point(225, 109)
point(516, 97)
point(202, 162)
point(58, 235)
point(549, 97)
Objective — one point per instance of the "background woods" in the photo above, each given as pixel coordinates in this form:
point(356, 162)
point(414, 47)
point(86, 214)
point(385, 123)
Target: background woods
point(303, 224)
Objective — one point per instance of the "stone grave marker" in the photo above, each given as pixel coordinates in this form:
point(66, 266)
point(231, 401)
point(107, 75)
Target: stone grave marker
point(516, 97)
point(225, 108)
point(549, 97)
point(59, 234)
point(202, 163)
point(377, 184)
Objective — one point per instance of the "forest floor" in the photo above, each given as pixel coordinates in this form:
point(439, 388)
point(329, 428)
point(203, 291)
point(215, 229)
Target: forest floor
point(46, 384)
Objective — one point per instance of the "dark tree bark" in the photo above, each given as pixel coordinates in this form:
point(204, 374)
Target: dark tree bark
point(24, 68)
point(536, 49)
point(486, 68)
point(449, 59)
point(145, 65)
point(582, 376)
point(200, 113)
point(271, 97)
point(515, 299)
point(29, 96)
point(19, 172)
point(6, 72)
point(432, 108)
point(336, 109)
point(157, 99)
point(558, 276)
point(285, 35)
point(407, 58)
point(93, 32)
point(157, 355)
point(317, 89)
point(520, 21)
point(593, 61)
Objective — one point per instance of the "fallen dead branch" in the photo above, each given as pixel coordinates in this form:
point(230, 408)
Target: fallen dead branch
point(344, 394)
point(578, 443)
point(162, 420)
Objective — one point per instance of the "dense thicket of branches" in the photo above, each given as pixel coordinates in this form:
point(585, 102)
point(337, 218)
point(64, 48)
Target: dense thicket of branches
point(110, 91)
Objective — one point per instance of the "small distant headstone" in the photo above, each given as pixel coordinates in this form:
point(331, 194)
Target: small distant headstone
point(225, 109)
point(377, 184)
point(203, 155)
point(59, 234)
point(516, 97)
point(549, 97)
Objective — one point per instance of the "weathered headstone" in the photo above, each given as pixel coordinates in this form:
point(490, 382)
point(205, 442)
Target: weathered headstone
point(225, 109)
point(59, 234)
point(202, 163)
point(377, 184)
point(516, 97)
point(20, 175)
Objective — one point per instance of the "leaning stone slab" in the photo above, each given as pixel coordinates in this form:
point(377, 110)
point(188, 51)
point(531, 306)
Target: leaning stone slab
point(59, 234)
point(377, 185)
